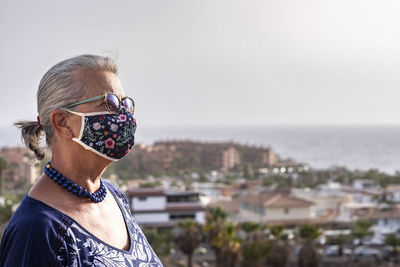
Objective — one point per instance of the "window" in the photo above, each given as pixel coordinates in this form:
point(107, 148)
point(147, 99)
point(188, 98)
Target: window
point(261, 210)
point(142, 198)
point(183, 198)
point(181, 216)
point(286, 211)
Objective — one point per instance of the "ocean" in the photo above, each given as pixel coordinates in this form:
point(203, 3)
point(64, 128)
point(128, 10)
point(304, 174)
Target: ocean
point(354, 147)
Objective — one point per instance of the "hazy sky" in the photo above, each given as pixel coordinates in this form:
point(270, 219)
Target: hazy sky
point(216, 62)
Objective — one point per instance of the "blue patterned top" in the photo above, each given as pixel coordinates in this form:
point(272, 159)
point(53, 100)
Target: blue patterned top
point(39, 235)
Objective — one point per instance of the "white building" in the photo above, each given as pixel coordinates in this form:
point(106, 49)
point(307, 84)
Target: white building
point(164, 208)
point(393, 193)
point(367, 185)
point(385, 218)
point(274, 206)
point(327, 198)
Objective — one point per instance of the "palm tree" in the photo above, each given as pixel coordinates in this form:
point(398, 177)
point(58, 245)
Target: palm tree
point(308, 255)
point(361, 229)
point(222, 237)
point(254, 252)
point(215, 223)
point(254, 246)
point(280, 251)
point(339, 240)
point(187, 238)
point(231, 252)
point(252, 229)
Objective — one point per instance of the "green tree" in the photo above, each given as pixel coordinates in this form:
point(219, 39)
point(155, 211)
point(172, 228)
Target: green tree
point(215, 223)
point(222, 237)
point(280, 250)
point(251, 228)
point(393, 241)
point(361, 229)
point(308, 255)
point(254, 252)
point(231, 251)
point(3, 166)
point(160, 241)
point(255, 247)
point(339, 240)
point(187, 238)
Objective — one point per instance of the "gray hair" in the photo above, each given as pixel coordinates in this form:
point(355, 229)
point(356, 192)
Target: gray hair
point(59, 87)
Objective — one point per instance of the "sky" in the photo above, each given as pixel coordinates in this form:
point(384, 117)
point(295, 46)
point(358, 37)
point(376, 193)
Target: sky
point(216, 62)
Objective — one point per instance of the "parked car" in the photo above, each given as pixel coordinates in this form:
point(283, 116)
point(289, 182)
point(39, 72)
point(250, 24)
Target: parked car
point(365, 251)
point(333, 251)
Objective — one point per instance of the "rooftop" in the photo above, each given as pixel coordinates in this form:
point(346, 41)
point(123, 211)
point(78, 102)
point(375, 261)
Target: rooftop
point(146, 192)
point(272, 199)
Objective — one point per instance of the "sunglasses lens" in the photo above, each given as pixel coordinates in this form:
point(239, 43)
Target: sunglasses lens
point(113, 103)
point(129, 105)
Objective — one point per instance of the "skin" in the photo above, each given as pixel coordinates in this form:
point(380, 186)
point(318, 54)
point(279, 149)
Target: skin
point(103, 219)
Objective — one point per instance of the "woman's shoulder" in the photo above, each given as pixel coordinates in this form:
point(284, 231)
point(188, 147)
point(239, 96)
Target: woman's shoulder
point(34, 229)
point(35, 220)
point(36, 214)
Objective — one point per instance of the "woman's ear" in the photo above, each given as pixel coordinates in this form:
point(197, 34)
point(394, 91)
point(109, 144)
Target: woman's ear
point(65, 126)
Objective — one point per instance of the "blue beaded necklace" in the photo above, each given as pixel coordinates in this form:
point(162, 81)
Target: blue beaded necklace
point(75, 189)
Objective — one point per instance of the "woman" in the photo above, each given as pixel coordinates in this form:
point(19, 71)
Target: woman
point(71, 217)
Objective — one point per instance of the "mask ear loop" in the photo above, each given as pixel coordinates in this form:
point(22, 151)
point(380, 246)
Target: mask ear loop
point(82, 115)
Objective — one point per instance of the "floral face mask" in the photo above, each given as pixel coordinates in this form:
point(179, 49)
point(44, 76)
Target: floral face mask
point(110, 136)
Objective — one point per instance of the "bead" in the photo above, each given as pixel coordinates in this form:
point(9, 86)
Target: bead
point(75, 189)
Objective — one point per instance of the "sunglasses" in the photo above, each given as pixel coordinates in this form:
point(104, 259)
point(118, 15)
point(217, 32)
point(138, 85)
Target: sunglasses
point(112, 102)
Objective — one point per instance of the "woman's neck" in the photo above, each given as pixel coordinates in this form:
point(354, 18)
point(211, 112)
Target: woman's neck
point(82, 167)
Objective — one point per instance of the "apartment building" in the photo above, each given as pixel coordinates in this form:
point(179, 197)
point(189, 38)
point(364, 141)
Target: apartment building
point(164, 208)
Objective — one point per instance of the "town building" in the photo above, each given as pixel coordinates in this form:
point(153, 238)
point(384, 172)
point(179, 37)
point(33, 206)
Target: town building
point(277, 206)
point(392, 193)
point(21, 170)
point(385, 218)
point(367, 185)
point(183, 155)
point(164, 208)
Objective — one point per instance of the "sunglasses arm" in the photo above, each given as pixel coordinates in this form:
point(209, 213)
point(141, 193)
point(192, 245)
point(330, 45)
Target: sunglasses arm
point(85, 101)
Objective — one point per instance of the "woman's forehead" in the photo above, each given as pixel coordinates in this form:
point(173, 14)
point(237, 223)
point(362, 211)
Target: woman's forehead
point(97, 83)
